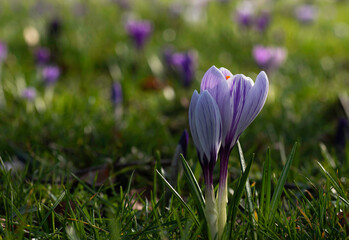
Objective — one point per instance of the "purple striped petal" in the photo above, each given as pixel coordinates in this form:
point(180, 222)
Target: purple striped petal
point(240, 86)
point(254, 102)
point(192, 123)
point(211, 79)
point(208, 125)
point(214, 81)
point(226, 73)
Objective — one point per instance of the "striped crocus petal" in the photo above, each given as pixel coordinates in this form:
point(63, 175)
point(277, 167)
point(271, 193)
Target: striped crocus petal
point(254, 102)
point(240, 85)
point(208, 126)
point(216, 82)
point(205, 126)
point(192, 123)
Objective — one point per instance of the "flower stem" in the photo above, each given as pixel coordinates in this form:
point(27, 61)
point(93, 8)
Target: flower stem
point(223, 192)
point(211, 211)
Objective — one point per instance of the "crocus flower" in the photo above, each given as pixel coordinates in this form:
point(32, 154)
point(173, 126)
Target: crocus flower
point(54, 28)
point(206, 130)
point(42, 55)
point(29, 93)
point(306, 13)
point(239, 100)
point(262, 21)
point(185, 65)
point(3, 51)
point(244, 18)
point(183, 142)
point(139, 31)
point(50, 74)
point(269, 58)
point(116, 93)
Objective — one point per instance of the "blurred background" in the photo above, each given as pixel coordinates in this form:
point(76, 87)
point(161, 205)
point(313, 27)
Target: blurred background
point(100, 82)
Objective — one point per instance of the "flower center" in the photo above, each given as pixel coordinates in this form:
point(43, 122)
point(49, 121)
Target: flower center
point(227, 77)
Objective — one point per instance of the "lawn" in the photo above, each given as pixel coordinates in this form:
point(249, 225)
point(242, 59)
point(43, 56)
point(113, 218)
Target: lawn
point(95, 99)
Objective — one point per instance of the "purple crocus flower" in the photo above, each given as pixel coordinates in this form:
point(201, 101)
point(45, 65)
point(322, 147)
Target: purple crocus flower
point(206, 130)
point(245, 14)
point(29, 93)
point(42, 55)
point(262, 21)
point(244, 19)
point(269, 58)
point(50, 74)
point(139, 31)
point(239, 100)
point(306, 13)
point(116, 93)
point(184, 63)
point(3, 51)
point(183, 142)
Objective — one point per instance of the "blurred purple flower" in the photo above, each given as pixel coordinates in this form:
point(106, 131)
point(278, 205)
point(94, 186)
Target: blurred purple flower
point(42, 55)
point(139, 31)
point(3, 51)
point(124, 4)
point(245, 14)
point(244, 18)
point(306, 13)
point(269, 58)
point(50, 74)
point(29, 93)
point(262, 21)
point(116, 93)
point(184, 64)
point(183, 142)
point(54, 28)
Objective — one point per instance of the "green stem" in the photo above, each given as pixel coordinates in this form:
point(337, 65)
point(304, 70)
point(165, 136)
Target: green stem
point(222, 208)
point(211, 211)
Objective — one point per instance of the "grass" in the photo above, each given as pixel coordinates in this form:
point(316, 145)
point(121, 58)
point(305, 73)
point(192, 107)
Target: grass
point(86, 174)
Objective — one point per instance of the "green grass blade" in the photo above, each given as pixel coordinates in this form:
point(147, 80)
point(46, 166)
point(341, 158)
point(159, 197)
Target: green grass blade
point(60, 198)
point(194, 187)
point(248, 190)
point(337, 187)
point(174, 192)
point(266, 186)
point(233, 208)
point(281, 182)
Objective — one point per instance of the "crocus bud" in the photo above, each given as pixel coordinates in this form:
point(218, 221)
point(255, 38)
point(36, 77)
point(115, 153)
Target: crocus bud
point(50, 74)
point(3, 51)
point(42, 55)
point(269, 58)
point(306, 13)
point(183, 142)
point(116, 94)
point(184, 63)
point(139, 31)
point(206, 129)
point(29, 93)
